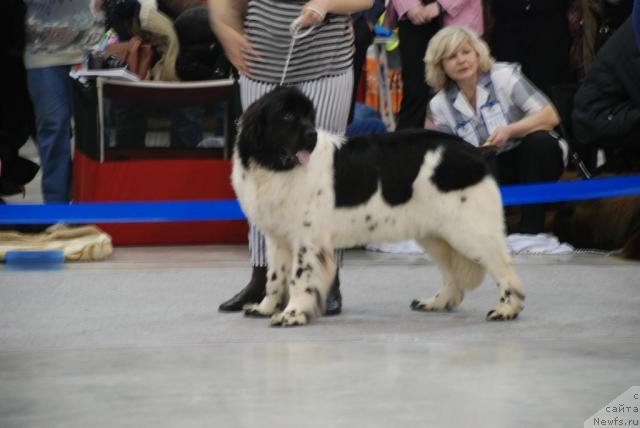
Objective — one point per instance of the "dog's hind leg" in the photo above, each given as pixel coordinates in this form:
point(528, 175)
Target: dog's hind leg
point(313, 271)
point(458, 274)
point(279, 262)
point(510, 288)
point(491, 252)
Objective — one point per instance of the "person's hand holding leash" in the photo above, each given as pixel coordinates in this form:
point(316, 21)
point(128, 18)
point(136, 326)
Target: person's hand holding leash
point(312, 14)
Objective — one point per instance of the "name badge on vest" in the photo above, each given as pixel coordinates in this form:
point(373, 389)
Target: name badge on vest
point(467, 132)
point(493, 117)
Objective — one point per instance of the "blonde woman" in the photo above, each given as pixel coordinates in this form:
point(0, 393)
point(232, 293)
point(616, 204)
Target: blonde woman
point(489, 103)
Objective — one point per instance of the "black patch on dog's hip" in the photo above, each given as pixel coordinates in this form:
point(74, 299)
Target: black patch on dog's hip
point(459, 168)
point(394, 160)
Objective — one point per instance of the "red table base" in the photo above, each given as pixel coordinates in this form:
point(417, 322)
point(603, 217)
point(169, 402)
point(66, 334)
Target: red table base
point(159, 180)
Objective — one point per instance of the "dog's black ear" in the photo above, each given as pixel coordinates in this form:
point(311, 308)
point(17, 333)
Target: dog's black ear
point(252, 129)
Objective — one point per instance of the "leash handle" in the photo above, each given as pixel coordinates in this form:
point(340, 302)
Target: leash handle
point(294, 30)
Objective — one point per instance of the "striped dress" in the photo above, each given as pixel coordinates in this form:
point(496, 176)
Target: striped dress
point(326, 51)
point(320, 66)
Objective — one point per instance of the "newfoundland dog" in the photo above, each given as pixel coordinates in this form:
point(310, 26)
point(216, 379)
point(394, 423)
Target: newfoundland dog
point(309, 192)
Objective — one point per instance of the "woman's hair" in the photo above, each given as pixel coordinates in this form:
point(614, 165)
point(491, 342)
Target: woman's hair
point(443, 44)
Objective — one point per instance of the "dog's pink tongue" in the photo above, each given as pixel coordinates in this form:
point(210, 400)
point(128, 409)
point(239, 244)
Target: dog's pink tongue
point(303, 157)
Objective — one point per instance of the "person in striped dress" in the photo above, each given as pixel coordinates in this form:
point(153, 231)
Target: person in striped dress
point(256, 38)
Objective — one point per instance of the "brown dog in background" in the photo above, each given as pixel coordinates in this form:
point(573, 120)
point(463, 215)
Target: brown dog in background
point(609, 224)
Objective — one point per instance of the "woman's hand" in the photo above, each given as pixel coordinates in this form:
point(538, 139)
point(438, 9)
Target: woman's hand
point(544, 119)
point(312, 13)
point(236, 47)
point(499, 137)
point(415, 15)
point(431, 11)
point(420, 14)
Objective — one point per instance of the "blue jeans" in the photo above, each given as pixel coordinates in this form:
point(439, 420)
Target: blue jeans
point(51, 93)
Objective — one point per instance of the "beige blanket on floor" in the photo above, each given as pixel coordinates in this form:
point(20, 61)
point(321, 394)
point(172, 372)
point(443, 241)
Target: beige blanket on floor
point(79, 243)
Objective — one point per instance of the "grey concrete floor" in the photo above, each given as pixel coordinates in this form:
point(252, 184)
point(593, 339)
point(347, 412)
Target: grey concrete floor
point(137, 341)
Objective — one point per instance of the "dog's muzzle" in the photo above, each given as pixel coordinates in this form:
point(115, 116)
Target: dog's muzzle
point(303, 155)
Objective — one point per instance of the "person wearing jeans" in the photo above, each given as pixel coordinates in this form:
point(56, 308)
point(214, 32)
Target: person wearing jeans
point(50, 91)
point(57, 34)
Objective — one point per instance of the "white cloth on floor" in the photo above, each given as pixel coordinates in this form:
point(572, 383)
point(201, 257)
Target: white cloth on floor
point(537, 244)
point(516, 243)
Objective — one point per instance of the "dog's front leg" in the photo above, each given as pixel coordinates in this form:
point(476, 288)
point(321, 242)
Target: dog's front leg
point(279, 263)
point(313, 271)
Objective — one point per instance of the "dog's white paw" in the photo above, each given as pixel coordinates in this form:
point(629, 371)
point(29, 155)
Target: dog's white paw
point(510, 305)
point(260, 310)
point(427, 305)
point(504, 312)
point(437, 303)
point(290, 318)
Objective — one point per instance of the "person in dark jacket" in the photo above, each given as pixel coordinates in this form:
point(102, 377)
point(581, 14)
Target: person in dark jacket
point(606, 111)
point(201, 56)
point(534, 33)
point(16, 112)
point(636, 20)
point(363, 31)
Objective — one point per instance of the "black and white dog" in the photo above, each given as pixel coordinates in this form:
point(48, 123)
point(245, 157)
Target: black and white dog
point(309, 192)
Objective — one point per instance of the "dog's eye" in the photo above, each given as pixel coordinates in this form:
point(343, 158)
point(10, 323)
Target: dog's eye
point(288, 117)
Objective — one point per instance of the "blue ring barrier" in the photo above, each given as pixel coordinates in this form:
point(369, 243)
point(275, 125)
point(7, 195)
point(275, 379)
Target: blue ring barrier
point(117, 212)
point(179, 211)
point(561, 191)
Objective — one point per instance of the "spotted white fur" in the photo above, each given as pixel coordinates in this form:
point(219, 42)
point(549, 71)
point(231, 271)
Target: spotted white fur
point(463, 230)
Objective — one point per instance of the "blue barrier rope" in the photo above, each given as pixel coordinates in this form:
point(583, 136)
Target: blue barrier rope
point(129, 212)
point(594, 188)
point(180, 211)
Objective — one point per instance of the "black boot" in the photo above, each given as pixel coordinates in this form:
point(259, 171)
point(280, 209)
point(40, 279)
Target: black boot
point(334, 299)
point(253, 292)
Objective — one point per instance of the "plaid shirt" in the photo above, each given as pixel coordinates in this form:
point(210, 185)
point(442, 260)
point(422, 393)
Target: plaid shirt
point(503, 84)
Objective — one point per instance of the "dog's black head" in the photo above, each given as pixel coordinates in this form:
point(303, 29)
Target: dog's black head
point(278, 130)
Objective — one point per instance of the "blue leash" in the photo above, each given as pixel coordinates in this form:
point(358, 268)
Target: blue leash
point(181, 211)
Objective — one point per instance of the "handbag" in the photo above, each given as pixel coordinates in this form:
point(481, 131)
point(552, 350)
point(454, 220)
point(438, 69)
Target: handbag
point(137, 54)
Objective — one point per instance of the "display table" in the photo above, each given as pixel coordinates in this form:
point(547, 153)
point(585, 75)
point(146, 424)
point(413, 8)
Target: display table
point(117, 174)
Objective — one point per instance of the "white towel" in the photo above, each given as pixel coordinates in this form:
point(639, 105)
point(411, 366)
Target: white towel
point(516, 243)
point(537, 244)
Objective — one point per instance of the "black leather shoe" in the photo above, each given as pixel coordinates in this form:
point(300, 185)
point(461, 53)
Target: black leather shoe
point(253, 292)
point(334, 299)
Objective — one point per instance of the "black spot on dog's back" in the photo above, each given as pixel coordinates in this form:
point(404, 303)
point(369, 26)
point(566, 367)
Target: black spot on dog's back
point(461, 166)
point(393, 162)
point(355, 173)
